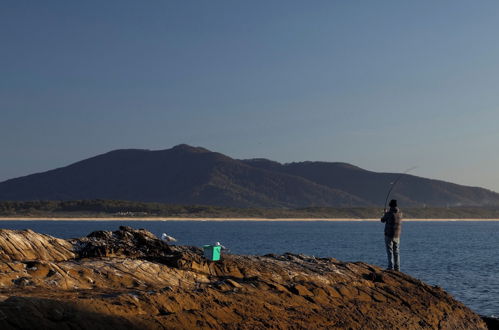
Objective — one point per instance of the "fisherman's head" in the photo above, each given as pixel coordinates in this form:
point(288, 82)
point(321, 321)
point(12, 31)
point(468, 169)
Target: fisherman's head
point(393, 203)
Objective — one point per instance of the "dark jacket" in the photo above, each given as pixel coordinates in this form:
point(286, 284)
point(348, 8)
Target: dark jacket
point(393, 222)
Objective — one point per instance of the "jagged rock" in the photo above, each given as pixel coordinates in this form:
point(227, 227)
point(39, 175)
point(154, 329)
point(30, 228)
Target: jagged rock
point(129, 279)
point(492, 322)
point(126, 241)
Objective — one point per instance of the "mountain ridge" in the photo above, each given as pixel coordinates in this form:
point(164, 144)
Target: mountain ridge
point(195, 175)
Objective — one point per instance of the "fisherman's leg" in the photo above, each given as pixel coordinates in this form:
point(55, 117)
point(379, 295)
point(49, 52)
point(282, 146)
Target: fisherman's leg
point(389, 251)
point(396, 253)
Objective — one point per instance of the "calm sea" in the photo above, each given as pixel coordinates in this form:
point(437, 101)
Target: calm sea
point(461, 257)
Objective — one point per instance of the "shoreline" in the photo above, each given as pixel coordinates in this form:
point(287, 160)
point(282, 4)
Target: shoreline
point(228, 219)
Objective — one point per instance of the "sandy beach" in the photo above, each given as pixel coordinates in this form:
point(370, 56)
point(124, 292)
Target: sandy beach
point(216, 219)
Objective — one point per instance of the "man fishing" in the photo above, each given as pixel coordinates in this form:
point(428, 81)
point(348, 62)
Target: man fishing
point(393, 226)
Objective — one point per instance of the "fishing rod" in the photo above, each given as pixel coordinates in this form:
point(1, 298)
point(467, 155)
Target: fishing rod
point(395, 182)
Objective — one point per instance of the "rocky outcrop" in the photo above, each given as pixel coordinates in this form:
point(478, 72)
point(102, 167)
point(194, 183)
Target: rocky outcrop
point(125, 242)
point(130, 279)
point(26, 245)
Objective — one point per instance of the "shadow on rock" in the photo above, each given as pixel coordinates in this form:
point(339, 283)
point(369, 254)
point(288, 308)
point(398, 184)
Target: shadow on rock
point(41, 313)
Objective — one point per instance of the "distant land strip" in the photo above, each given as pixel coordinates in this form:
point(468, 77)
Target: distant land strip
point(127, 210)
point(224, 219)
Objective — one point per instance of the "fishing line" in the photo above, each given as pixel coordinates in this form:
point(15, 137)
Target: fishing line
point(395, 182)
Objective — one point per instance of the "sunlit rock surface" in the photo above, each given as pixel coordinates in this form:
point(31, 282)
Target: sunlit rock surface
point(130, 279)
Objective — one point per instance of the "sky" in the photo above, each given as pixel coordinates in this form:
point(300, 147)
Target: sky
point(384, 85)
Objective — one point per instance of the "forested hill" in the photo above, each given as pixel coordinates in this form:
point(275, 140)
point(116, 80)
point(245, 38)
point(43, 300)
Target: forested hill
point(193, 175)
point(120, 209)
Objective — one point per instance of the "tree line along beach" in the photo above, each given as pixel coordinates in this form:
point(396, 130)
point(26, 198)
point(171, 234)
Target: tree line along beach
point(109, 210)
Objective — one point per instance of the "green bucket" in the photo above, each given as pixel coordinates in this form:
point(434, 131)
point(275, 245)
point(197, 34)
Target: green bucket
point(212, 252)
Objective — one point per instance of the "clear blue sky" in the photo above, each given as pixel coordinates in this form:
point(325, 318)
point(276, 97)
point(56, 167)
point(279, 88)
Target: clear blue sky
point(384, 85)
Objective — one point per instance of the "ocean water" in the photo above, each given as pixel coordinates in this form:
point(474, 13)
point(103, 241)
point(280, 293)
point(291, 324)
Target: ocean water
point(460, 257)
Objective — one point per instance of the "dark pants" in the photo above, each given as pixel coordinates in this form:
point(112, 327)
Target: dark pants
point(393, 252)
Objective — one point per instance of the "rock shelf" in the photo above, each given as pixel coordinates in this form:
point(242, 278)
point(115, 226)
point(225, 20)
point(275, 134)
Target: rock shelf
point(129, 279)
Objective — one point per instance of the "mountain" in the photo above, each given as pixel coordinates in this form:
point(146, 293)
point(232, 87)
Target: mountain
point(194, 175)
point(373, 187)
